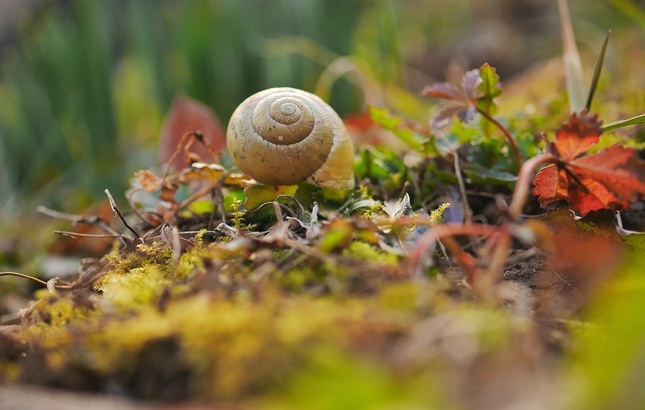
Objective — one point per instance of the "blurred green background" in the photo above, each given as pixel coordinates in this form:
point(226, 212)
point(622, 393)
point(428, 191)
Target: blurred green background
point(84, 84)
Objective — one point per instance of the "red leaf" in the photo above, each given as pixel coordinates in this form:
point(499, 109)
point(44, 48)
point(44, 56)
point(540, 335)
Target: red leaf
point(617, 167)
point(361, 122)
point(462, 100)
point(551, 184)
point(469, 82)
point(577, 135)
point(446, 91)
point(608, 179)
point(189, 115)
point(363, 129)
point(445, 115)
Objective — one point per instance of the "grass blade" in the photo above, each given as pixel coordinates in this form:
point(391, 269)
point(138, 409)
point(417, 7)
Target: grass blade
point(639, 119)
point(597, 70)
point(572, 62)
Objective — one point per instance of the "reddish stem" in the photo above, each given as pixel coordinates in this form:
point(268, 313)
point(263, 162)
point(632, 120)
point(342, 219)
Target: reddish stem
point(507, 134)
point(438, 232)
point(523, 183)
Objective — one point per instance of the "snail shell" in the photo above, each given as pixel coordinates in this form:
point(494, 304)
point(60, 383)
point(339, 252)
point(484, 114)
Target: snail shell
point(283, 136)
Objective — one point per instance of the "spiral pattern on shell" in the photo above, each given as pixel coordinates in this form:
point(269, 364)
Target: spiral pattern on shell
point(282, 136)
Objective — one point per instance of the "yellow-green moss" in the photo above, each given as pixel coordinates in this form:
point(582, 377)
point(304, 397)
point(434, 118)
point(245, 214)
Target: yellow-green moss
point(188, 263)
point(52, 323)
point(139, 287)
point(296, 279)
point(402, 296)
point(367, 251)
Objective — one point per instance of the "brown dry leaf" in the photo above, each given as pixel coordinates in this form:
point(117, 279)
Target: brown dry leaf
point(149, 181)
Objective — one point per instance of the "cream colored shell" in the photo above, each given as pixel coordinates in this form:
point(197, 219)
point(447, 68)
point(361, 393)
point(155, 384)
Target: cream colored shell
point(283, 136)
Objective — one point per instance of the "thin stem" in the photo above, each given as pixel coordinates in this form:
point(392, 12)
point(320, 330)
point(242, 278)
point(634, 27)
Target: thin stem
point(118, 213)
point(77, 219)
point(468, 213)
point(509, 137)
point(22, 275)
point(438, 232)
point(500, 252)
point(183, 204)
point(76, 235)
point(184, 144)
point(522, 185)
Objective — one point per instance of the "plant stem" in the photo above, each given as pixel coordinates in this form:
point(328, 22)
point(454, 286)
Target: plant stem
point(438, 232)
point(503, 241)
point(500, 251)
point(522, 184)
point(22, 275)
point(507, 134)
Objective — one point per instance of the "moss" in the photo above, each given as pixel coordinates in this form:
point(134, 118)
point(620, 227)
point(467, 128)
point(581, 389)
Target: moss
point(188, 263)
point(138, 288)
point(366, 251)
point(402, 296)
point(299, 278)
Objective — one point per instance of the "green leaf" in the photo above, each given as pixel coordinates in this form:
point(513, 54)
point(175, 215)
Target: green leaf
point(338, 235)
point(394, 124)
point(381, 166)
point(483, 175)
point(232, 197)
point(489, 89)
point(367, 205)
point(257, 195)
point(202, 206)
point(639, 119)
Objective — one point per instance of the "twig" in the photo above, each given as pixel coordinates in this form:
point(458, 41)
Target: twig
point(90, 220)
point(218, 198)
point(136, 211)
point(76, 219)
point(195, 197)
point(75, 235)
point(68, 217)
point(181, 145)
point(120, 215)
point(500, 251)
point(22, 275)
point(184, 144)
point(437, 232)
point(468, 213)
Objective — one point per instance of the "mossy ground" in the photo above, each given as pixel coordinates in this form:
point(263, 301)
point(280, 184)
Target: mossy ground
point(241, 329)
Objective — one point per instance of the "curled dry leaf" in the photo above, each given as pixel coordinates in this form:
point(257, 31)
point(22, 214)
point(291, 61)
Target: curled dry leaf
point(201, 171)
point(189, 115)
point(148, 180)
